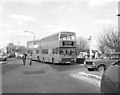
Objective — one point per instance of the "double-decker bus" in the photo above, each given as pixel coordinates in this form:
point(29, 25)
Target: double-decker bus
point(56, 48)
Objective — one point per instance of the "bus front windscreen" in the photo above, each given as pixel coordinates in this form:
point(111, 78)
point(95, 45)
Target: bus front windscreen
point(67, 36)
point(67, 51)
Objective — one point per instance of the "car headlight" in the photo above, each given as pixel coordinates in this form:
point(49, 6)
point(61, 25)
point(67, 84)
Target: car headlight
point(93, 63)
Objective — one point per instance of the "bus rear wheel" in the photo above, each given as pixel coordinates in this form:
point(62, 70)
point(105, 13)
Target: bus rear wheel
point(53, 61)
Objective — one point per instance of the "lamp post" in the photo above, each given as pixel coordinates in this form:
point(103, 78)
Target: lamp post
point(90, 50)
point(33, 34)
point(118, 26)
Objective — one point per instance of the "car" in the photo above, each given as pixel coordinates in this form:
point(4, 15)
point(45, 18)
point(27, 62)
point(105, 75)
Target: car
point(80, 60)
point(110, 81)
point(3, 57)
point(11, 55)
point(98, 64)
point(115, 56)
point(19, 56)
point(8, 55)
point(103, 57)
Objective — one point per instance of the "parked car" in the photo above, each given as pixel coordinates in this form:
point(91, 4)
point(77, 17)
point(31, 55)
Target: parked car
point(98, 64)
point(3, 57)
point(115, 56)
point(110, 82)
point(10, 55)
point(80, 58)
point(20, 55)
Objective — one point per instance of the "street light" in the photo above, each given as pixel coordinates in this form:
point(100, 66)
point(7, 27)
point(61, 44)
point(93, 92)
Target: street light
point(90, 50)
point(33, 34)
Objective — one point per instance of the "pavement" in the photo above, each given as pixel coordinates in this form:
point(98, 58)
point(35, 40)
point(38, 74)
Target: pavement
point(47, 78)
point(2, 62)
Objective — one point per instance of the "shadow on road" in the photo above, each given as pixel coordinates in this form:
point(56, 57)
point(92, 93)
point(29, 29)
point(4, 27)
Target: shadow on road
point(9, 67)
point(34, 72)
point(65, 67)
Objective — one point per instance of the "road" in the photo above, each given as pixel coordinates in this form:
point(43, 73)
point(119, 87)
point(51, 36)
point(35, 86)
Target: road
point(44, 78)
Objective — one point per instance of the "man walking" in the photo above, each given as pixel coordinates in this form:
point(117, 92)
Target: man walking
point(30, 59)
point(24, 58)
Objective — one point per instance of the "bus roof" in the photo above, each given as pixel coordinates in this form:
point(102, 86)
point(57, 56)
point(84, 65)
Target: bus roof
point(50, 35)
point(66, 32)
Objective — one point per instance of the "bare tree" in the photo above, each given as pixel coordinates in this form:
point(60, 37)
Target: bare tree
point(11, 48)
point(109, 40)
point(82, 44)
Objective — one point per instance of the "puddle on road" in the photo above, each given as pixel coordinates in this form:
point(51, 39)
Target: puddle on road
point(34, 72)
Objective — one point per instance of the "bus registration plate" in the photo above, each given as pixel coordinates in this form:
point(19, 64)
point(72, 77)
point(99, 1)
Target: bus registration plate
point(67, 62)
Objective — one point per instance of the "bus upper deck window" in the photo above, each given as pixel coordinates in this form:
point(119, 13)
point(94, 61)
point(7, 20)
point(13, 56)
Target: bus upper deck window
point(67, 36)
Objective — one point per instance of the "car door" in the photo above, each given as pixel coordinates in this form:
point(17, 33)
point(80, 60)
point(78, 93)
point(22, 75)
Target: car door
point(110, 81)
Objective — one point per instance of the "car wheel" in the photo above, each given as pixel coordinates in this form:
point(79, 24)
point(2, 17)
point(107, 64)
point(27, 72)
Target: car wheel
point(101, 68)
point(90, 69)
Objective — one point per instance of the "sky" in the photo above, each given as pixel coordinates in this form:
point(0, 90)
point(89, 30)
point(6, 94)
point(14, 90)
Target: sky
point(45, 17)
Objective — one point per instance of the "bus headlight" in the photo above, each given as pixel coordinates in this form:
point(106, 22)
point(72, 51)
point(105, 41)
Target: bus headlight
point(84, 62)
point(60, 60)
point(75, 59)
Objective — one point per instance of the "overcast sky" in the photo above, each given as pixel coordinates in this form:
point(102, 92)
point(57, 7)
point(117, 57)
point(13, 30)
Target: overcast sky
point(44, 17)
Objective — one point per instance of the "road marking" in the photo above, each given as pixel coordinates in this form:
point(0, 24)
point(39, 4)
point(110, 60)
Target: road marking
point(90, 75)
point(90, 78)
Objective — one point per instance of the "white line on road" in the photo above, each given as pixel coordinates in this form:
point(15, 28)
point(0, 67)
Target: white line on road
point(90, 78)
point(90, 75)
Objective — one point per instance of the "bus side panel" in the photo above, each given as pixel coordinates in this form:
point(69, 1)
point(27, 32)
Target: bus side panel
point(35, 54)
point(50, 46)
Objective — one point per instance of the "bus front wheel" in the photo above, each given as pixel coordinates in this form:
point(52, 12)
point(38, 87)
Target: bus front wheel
point(43, 60)
point(38, 59)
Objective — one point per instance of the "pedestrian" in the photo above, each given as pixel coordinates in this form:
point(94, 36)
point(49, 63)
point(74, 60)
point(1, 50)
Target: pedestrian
point(24, 58)
point(30, 58)
point(96, 55)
